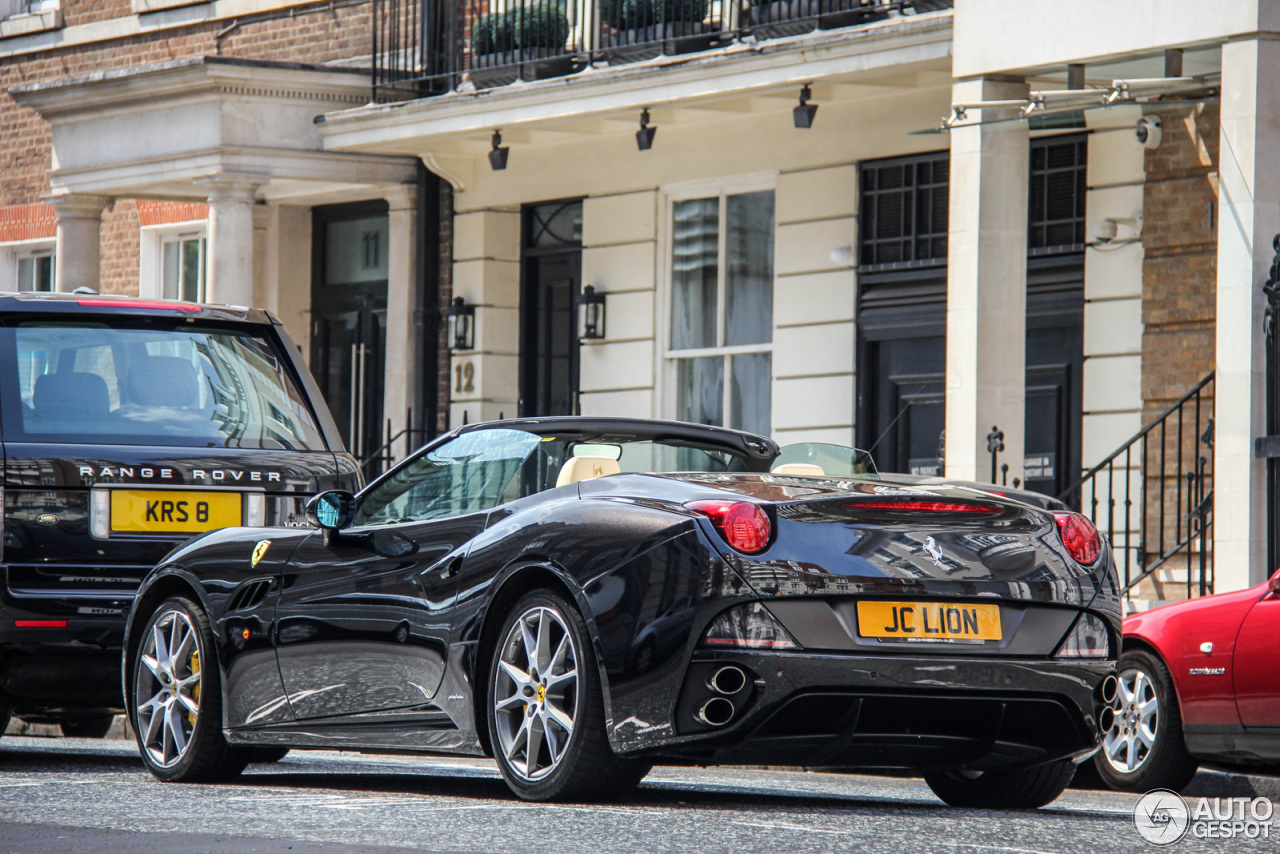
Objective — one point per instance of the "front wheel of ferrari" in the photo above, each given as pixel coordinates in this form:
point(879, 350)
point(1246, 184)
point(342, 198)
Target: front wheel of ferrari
point(1144, 749)
point(1019, 789)
point(177, 698)
point(546, 710)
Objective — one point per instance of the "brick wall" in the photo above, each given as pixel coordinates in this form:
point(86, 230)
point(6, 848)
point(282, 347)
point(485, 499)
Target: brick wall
point(1180, 238)
point(312, 33)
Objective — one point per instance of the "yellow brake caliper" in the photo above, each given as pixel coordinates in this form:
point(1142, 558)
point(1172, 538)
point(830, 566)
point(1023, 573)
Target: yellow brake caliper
point(195, 692)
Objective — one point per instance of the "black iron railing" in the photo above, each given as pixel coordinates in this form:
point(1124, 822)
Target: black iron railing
point(428, 47)
point(1153, 498)
point(410, 438)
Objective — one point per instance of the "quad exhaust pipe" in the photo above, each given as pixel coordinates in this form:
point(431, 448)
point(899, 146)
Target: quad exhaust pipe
point(1107, 719)
point(1109, 689)
point(727, 680)
point(715, 712)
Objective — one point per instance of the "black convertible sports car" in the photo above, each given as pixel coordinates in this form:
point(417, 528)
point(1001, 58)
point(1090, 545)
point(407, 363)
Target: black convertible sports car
point(583, 597)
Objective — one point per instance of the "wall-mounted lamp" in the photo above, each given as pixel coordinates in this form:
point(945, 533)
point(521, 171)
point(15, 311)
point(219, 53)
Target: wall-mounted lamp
point(462, 325)
point(644, 136)
point(498, 153)
point(590, 315)
point(803, 114)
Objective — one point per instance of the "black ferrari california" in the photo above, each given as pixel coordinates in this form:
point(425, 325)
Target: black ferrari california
point(583, 597)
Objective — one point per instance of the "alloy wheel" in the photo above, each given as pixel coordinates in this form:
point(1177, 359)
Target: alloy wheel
point(536, 693)
point(169, 678)
point(1129, 742)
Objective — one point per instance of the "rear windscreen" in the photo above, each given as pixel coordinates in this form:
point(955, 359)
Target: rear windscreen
point(150, 382)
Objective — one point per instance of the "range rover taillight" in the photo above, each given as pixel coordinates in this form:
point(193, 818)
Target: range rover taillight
point(1079, 536)
point(743, 524)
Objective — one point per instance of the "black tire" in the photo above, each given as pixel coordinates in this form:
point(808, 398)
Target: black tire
point(1021, 789)
point(587, 768)
point(205, 755)
point(1166, 763)
point(87, 726)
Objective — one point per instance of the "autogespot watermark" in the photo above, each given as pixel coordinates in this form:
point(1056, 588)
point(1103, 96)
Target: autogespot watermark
point(1163, 817)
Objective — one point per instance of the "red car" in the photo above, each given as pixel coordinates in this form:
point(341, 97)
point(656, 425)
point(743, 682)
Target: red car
point(1199, 684)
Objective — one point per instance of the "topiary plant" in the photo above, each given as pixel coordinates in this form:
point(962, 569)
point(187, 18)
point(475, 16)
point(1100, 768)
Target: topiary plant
point(541, 24)
point(632, 14)
point(493, 33)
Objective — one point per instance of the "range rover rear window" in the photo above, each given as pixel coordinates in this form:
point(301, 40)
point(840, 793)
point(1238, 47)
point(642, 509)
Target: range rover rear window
point(154, 382)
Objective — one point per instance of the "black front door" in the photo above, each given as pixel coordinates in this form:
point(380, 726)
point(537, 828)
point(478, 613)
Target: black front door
point(1055, 370)
point(550, 287)
point(903, 412)
point(349, 318)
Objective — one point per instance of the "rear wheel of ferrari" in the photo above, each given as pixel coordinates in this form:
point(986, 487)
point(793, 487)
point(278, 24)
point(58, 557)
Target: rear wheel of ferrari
point(1144, 749)
point(177, 698)
point(546, 711)
point(1021, 789)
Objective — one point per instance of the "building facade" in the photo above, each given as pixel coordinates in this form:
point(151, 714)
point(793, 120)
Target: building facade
point(1010, 236)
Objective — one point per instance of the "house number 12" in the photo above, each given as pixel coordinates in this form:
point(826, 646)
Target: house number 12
point(464, 375)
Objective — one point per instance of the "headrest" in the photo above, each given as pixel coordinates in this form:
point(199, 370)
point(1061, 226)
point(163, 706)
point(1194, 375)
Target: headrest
point(586, 468)
point(166, 381)
point(804, 469)
point(73, 394)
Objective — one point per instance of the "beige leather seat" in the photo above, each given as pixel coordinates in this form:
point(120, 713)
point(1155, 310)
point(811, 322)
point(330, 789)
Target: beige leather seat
point(586, 468)
point(804, 469)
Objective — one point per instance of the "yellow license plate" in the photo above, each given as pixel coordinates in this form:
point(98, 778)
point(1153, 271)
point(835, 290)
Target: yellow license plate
point(929, 621)
point(163, 511)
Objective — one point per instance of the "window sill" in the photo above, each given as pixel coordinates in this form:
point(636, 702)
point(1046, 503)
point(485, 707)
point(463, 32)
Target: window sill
point(33, 22)
point(141, 7)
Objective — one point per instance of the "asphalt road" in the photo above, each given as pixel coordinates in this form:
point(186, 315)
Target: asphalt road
point(76, 796)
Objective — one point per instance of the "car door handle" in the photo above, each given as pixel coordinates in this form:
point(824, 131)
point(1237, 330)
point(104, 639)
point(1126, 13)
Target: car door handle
point(452, 567)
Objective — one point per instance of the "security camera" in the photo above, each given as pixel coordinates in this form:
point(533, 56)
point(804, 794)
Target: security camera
point(1148, 132)
point(1108, 230)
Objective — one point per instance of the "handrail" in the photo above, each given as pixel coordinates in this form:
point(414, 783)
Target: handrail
point(1172, 458)
point(1144, 431)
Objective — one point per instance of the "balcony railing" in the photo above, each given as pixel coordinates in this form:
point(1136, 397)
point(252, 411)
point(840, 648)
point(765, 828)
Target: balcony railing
point(428, 47)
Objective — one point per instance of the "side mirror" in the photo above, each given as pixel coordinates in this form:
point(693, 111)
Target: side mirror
point(333, 510)
point(1274, 583)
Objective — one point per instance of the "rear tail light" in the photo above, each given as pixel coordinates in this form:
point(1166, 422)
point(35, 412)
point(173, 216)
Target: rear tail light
point(748, 626)
point(1088, 638)
point(1079, 536)
point(100, 513)
point(255, 510)
point(743, 524)
point(923, 506)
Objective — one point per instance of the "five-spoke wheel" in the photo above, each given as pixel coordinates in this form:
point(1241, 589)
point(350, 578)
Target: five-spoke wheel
point(176, 702)
point(546, 714)
point(1143, 749)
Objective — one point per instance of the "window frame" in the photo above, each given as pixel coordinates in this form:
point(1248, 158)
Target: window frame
point(152, 241)
point(13, 254)
point(666, 379)
point(868, 213)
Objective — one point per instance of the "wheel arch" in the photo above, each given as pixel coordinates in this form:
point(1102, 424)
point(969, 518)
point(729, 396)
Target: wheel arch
point(529, 575)
point(169, 582)
point(1135, 643)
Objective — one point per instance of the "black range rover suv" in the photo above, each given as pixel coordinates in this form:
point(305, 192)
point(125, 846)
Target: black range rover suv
point(127, 427)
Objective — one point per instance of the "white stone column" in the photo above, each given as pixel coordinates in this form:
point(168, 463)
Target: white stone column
point(1249, 216)
point(230, 255)
point(986, 285)
point(78, 256)
point(402, 375)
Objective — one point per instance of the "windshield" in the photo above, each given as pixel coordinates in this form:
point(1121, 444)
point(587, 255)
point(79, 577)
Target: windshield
point(150, 383)
point(481, 469)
